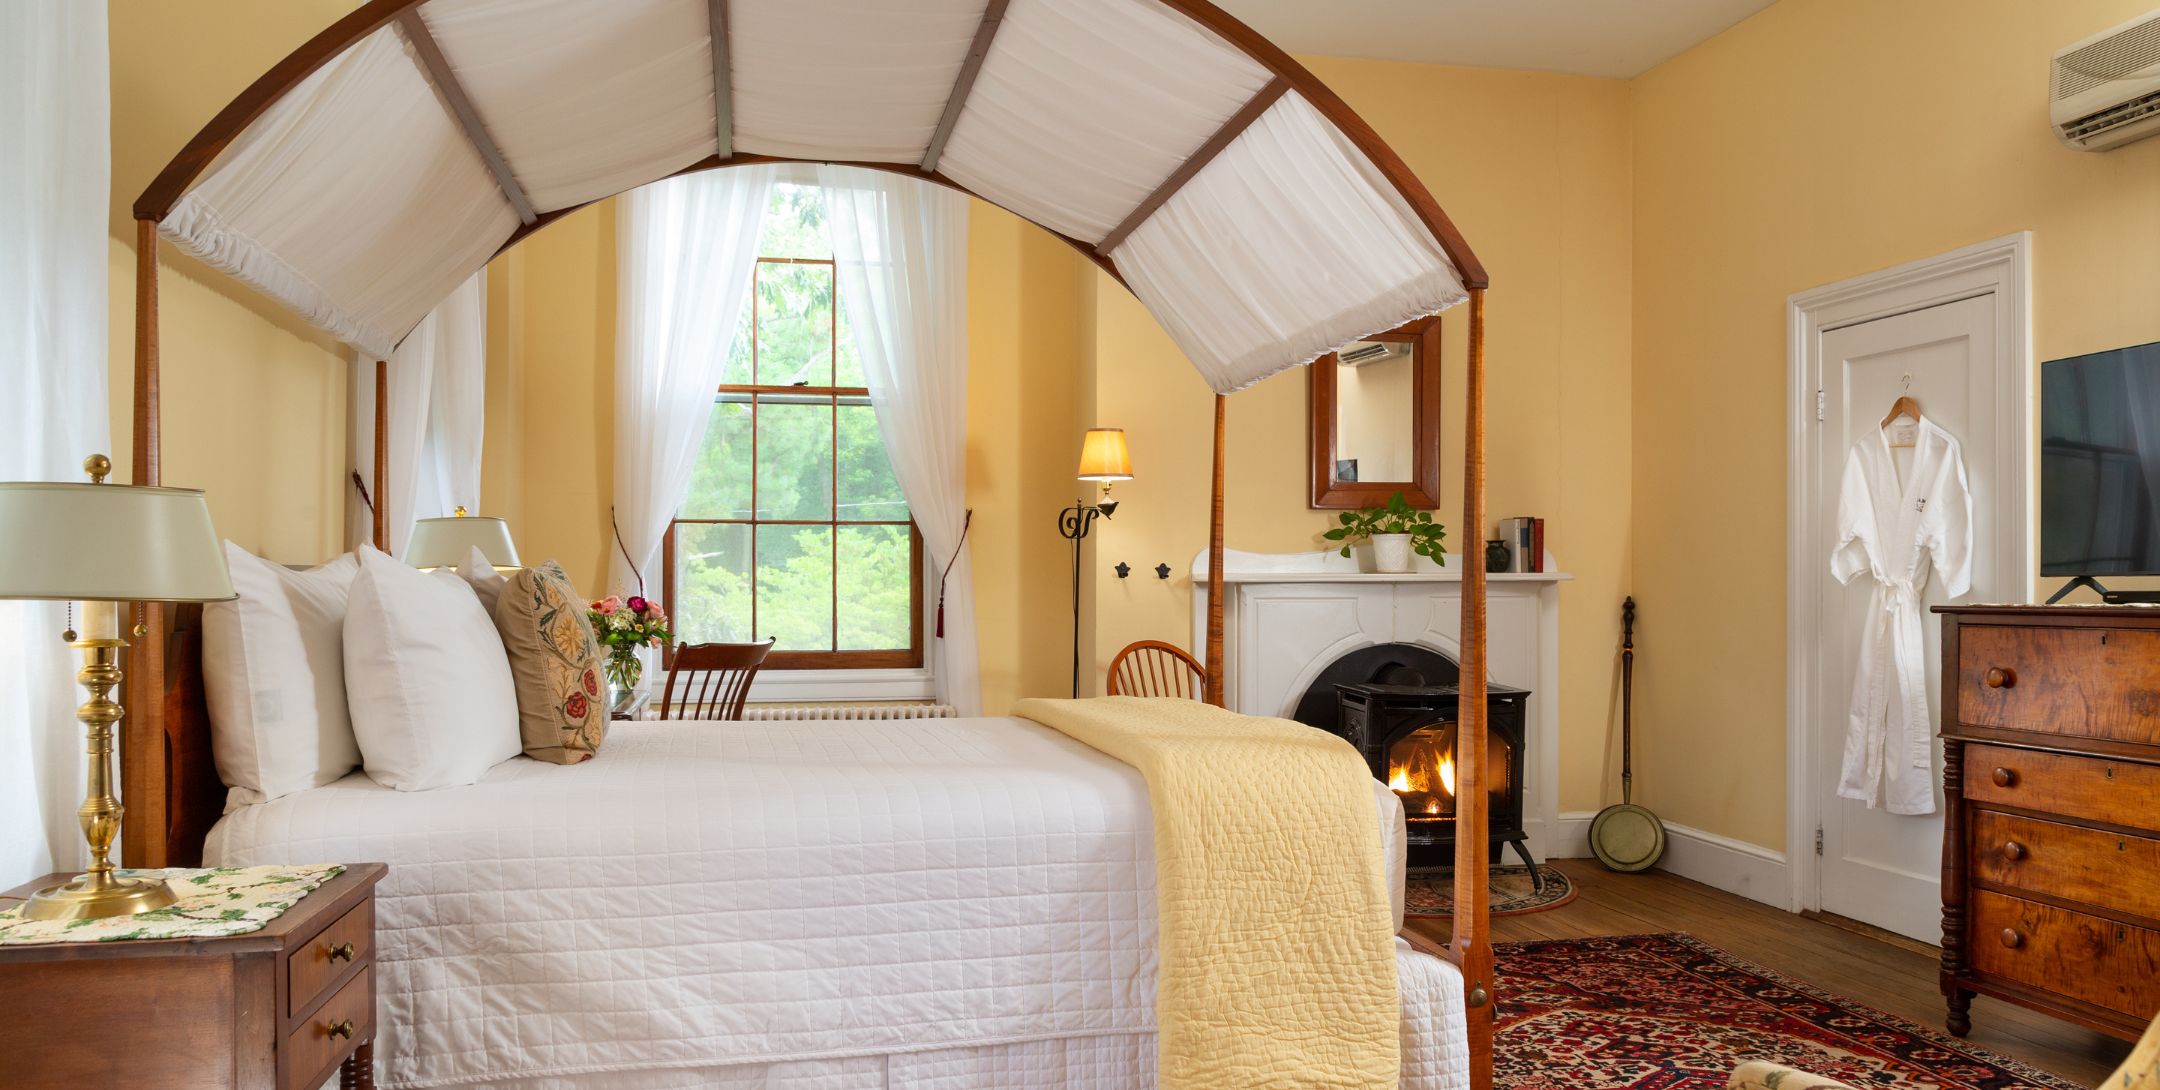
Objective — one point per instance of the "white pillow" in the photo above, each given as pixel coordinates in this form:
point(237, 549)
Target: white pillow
point(486, 582)
point(425, 673)
point(274, 677)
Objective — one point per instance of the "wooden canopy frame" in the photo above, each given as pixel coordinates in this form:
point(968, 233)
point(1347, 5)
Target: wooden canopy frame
point(169, 778)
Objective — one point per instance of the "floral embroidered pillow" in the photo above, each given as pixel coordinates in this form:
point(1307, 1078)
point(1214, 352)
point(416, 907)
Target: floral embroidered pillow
point(556, 664)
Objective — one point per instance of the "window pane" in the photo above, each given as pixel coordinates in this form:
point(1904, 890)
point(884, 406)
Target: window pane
point(720, 483)
point(847, 358)
point(794, 331)
point(795, 457)
point(868, 492)
point(795, 602)
point(875, 601)
point(795, 223)
point(712, 583)
point(738, 372)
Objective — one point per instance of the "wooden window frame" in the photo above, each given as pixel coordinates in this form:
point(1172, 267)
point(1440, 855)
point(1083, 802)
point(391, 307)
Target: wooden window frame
point(909, 658)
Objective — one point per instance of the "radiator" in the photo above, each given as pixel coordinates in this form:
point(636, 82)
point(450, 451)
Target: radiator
point(777, 712)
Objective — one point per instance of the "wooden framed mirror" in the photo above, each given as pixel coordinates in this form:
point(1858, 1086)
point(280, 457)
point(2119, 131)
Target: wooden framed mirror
point(1375, 419)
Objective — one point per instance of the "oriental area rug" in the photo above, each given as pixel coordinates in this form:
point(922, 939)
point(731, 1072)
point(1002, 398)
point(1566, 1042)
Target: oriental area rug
point(1669, 1012)
point(1430, 892)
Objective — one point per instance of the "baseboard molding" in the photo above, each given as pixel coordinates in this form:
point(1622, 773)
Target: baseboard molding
point(1735, 866)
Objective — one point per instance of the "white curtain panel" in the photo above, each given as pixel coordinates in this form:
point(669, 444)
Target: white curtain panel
point(901, 248)
point(436, 419)
point(685, 251)
point(416, 211)
point(846, 79)
point(1286, 246)
point(55, 178)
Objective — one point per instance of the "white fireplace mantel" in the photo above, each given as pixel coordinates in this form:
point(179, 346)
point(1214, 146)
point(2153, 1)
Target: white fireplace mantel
point(1286, 616)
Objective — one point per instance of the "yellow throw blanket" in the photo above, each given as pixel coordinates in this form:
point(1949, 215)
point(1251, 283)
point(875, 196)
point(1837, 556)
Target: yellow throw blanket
point(1277, 956)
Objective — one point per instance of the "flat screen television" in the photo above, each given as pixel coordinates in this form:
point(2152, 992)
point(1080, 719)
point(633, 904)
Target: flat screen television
point(2100, 463)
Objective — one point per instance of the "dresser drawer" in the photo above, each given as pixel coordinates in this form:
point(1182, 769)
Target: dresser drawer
point(2093, 788)
point(2082, 682)
point(315, 1045)
point(2066, 861)
point(313, 966)
point(2104, 963)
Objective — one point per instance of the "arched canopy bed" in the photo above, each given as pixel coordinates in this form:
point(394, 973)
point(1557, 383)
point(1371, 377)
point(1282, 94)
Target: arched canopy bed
point(387, 159)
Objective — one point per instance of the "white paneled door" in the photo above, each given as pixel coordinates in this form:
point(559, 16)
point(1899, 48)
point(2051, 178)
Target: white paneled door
point(1872, 865)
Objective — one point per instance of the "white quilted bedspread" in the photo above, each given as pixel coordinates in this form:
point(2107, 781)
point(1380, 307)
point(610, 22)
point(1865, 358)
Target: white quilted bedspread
point(812, 904)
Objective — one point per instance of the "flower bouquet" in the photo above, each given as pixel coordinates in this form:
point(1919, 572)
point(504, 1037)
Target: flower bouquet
point(623, 625)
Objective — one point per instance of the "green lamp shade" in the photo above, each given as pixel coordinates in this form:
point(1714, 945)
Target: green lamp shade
point(109, 543)
point(446, 542)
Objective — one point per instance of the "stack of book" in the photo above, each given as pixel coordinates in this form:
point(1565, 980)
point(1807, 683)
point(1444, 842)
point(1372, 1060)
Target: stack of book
point(1525, 538)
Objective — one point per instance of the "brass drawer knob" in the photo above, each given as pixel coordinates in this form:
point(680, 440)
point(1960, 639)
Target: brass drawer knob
point(341, 1029)
point(2013, 851)
point(343, 951)
point(2004, 777)
point(2000, 677)
point(2011, 938)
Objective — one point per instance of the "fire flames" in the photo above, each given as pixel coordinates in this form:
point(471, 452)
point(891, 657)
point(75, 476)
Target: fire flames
point(1422, 770)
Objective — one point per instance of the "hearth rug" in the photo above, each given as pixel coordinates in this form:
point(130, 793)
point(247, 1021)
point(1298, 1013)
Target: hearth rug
point(1670, 1012)
point(212, 901)
point(1430, 891)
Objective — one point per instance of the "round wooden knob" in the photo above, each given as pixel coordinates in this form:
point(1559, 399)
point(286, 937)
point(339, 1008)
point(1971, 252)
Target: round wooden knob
point(343, 951)
point(2000, 677)
point(2013, 851)
point(2004, 777)
point(2011, 938)
point(344, 1028)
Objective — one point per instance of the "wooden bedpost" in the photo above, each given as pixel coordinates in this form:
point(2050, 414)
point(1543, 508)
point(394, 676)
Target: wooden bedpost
point(143, 756)
point(1214, 567)
point(380, 531)
point(1472, 940)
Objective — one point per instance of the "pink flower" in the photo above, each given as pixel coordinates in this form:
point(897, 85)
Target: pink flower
point(655, 641)
point(609, 604)
point(637, 604)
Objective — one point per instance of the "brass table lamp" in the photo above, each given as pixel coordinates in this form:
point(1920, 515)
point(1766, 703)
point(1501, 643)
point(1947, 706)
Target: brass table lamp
point(104, 545)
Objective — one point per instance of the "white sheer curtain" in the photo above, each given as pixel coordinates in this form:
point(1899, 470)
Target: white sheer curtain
point(901, 248)
point(685, 251)
point(55, 175)
point(438, 380)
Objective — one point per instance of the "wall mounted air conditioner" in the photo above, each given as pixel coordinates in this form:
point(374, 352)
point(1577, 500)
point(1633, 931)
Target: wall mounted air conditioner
point(2104, 92)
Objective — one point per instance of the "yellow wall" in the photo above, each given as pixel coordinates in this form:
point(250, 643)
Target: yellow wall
point(254, 407)
point(1817, 141)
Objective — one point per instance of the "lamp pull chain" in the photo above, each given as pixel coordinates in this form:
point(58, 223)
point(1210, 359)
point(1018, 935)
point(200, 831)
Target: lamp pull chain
point(67, 635)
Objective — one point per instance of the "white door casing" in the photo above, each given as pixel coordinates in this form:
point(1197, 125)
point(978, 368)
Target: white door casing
point(1959, 326)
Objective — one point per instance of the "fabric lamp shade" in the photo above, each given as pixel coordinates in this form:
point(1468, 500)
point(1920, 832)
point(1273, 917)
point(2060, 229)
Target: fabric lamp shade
point(109, 543)
point(446, 542)
point(1103, 456)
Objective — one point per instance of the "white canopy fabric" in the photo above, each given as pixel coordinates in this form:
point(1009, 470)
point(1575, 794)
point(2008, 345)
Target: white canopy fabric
point(366, 192)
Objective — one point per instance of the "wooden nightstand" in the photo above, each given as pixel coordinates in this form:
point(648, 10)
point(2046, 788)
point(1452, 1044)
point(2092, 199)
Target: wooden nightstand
point(282, 1008)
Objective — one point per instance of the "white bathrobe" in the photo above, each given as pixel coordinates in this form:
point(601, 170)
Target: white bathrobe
point(1892, 529)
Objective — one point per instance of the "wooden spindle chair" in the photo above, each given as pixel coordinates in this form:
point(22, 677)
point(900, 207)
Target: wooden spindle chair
point(1155, 668)
point(715, 679)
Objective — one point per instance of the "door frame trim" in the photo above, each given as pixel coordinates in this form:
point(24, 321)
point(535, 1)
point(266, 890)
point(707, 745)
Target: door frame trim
point(2001, 267)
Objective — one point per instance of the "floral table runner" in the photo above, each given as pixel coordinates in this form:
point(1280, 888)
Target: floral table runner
point(213, 901)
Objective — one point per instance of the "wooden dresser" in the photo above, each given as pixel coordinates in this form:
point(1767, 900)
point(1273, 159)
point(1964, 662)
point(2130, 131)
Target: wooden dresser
point(283, 1008)
point(2051, 837)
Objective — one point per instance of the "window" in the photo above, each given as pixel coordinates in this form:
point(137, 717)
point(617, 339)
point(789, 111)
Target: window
point(795, 527)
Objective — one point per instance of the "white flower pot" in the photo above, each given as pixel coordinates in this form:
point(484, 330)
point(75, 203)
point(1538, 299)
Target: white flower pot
point(1391, 552)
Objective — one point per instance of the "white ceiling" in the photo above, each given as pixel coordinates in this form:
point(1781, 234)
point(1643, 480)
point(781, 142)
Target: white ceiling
point(1616, 38)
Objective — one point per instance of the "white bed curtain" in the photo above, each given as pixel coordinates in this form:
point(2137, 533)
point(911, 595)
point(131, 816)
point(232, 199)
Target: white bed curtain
point(55, 177)
point(901, 248)
point(685, 251)
point(437, 419)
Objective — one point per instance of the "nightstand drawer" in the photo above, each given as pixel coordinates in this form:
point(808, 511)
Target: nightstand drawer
point(2101, 962)
point(2083, 682)
point(2067, 861)
point(2093, 788)
point(316, 964)
point(327, 1036)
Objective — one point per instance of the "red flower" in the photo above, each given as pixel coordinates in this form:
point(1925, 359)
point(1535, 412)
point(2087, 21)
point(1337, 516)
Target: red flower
point(592, 682)
point(637, 604)
point(575, 707)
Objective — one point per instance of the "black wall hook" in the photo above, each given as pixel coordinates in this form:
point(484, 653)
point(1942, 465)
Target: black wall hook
point(1123, 569)
point(1162, 571)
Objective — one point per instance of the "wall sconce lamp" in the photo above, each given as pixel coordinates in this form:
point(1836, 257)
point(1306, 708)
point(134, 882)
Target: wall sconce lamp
point(1104, 459)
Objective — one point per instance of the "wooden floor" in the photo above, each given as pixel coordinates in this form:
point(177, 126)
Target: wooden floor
point(1889, 974)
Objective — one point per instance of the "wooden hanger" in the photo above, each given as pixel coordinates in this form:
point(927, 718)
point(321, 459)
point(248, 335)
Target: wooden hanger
point(1905, 405)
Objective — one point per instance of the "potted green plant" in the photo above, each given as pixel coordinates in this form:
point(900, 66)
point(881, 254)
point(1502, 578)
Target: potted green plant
point(1396, 530)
